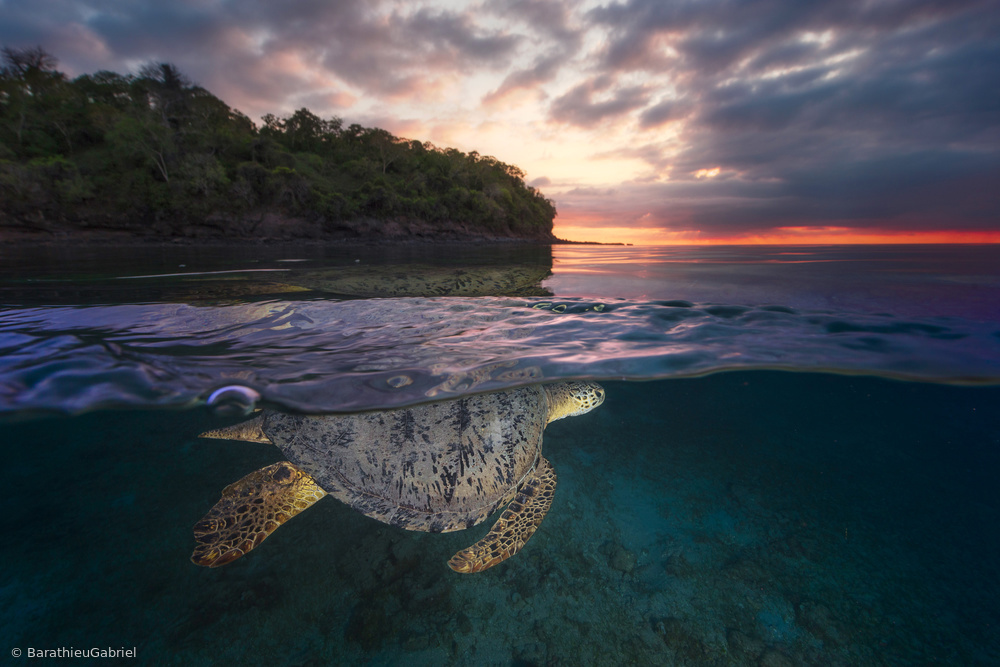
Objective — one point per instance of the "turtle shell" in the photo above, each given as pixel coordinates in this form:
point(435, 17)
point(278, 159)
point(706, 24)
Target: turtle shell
point(437, 467)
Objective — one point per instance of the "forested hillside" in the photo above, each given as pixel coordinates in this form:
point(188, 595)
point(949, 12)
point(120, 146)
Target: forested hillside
point(155, 155)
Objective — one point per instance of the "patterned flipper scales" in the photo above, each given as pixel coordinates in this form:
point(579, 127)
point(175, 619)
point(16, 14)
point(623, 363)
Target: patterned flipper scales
point(250, 510)
point(517, 523)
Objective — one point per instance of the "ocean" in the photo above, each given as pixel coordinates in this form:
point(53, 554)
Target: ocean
point(795, 464)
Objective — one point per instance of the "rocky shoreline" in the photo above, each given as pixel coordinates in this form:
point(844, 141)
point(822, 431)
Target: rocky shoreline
point(271, 229)
point(267, 229)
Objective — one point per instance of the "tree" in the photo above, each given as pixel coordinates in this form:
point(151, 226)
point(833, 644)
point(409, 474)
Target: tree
point(387, 147)
point(140, 138)
point(26, 79)
point(29, 63)
point(303, 130)
point(167, 90)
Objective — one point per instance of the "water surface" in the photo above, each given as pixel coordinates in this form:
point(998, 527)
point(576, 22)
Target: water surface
point(363, 328)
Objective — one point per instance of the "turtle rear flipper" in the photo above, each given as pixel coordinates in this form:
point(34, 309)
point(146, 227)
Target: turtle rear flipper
point(517, 523)
point(251, 430)
point(250, 510)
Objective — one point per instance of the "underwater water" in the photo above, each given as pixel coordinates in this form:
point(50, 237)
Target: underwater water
point(796, 462)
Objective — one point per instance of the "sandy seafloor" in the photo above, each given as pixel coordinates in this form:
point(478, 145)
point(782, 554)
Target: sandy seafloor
point(747, 518)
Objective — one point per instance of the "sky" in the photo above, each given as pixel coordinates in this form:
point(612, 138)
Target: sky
point(645, 121)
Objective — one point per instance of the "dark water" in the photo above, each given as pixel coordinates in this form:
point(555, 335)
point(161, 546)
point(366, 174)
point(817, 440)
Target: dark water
point(843, 514)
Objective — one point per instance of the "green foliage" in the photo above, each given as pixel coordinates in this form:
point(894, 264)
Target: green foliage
point(61, 177)
point(153, 146)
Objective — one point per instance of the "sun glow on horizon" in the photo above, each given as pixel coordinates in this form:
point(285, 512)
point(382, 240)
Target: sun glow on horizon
point(779, 236)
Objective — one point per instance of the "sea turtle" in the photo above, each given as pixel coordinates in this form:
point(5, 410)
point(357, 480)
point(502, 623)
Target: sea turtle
point(437, 467)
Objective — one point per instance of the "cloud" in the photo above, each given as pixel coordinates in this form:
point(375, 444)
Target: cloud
point(552, 19)
point(542, 71)
point(551, 25)
point(591, 192)
point(664, 112)
point(921, 191)
point(374, 47)
point(457, 37)
point(579, 107)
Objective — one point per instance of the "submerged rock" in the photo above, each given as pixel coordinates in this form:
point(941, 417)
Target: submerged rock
point(622, 559)
point(742, 646)
point(775, 658)
point(683, 639)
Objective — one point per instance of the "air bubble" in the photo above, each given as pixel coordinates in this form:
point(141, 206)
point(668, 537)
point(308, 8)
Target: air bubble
point(398, 381)
point(233, 400)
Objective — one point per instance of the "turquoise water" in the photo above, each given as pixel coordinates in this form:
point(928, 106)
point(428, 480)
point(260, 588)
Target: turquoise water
point(717, 509)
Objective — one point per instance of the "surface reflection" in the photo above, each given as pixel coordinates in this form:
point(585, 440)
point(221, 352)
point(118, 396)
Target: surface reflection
point(961, 281)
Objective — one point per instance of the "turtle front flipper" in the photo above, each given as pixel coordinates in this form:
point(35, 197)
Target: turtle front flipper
point(517, 523)
point(250, 510)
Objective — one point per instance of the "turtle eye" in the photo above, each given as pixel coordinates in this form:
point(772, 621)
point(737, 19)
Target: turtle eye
point(282, 474)
point(593, 395)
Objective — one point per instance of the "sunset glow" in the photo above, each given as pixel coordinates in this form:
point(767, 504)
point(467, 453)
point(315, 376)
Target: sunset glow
point(780, 236)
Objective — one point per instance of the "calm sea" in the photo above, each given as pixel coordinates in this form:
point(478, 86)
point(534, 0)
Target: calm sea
point(796, 463)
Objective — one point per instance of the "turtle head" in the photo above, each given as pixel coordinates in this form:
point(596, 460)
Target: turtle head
point(569, 399)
